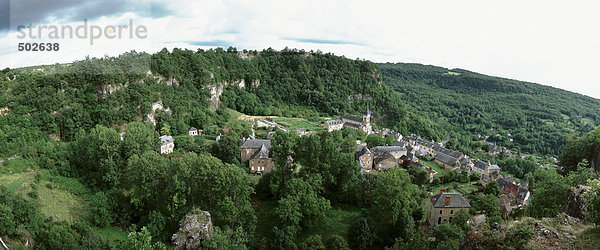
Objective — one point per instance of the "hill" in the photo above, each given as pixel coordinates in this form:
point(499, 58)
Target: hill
point(465, 103)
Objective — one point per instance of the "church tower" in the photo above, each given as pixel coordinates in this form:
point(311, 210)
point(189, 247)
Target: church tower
point(366, 126)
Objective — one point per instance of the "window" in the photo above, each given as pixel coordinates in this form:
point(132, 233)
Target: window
point(450, 219)
point(440, 211)
point(451, 211)
point(252, 168)
point(439, 220)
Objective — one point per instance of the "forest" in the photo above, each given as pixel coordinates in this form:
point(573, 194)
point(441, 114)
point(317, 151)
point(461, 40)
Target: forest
point(465, 104)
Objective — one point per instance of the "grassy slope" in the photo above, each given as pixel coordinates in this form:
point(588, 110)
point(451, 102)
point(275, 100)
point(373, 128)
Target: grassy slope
point(60, 198)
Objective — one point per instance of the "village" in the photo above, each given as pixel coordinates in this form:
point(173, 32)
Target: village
point(406, 151)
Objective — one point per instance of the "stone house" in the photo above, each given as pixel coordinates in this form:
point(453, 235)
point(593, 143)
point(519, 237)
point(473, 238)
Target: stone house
point(256, 153)
point(384, 161)
point(485, 168)
point(364, 157)
point(444, 206)
point(261, 162)
point(446, 161)
point(167, 144)
point(251, 146)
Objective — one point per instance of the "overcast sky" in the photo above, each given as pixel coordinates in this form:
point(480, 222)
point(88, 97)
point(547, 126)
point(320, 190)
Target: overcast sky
point(554, 43)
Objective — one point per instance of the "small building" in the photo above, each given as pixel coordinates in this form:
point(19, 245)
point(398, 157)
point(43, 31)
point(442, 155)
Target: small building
point(194, 131)
point(444, 206)
point(167, 144)
point(523, 194)
point(300, 131)
point(364, 157)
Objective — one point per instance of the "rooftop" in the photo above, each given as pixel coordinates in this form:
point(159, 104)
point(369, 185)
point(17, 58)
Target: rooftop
point(166, 139)
point(254, 143)
point(449, 200)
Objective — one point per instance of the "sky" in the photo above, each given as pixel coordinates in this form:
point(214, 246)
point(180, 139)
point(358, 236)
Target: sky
point(555, 43)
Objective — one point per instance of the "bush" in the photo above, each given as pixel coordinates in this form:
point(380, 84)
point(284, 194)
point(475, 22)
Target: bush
point(336, 242)
point(101, 213)
point(7, 220)
point(361, 233)
point(518, 236)
point(33, 194)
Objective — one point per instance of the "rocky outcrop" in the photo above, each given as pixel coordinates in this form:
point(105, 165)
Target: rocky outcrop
point(193, 229)
point(574, 204)
point(151, 117)
point(216, 90)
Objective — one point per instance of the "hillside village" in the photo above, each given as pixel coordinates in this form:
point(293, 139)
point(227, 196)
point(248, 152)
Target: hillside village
point(406, 151)
point(277, 165)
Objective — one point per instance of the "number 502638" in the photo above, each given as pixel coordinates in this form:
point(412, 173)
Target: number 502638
point(38, 47)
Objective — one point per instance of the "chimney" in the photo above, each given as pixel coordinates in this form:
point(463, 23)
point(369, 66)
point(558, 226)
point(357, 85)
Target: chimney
point(443, 190)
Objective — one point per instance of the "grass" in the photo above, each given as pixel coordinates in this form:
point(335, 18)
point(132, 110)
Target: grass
point(111, 233)
point(433, 166)
point(565, 117)
point(57, 196)
point(589, 121)
point(15, 185)
point(337, 221)
point(588, 239)
point(294, 123)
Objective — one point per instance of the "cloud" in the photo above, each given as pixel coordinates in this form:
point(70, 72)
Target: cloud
point(158, 10)
point(36, 12)
point(324, 41)
point(211, 43)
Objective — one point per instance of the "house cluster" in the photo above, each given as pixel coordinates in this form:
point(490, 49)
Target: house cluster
point(349, 121)
point(512, 195)
point(447, 158)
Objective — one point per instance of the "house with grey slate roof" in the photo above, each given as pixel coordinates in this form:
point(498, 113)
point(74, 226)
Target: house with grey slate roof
point(444, 206)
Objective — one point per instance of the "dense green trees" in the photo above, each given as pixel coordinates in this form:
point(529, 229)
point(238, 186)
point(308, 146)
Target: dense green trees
point(463, 103)
point(301, 205)
point(395, 194)
point(592, 199)
point(549, 193)
point(577, 149)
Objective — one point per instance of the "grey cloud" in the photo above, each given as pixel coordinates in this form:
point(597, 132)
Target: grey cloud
point(25, 12)
point(323, 41)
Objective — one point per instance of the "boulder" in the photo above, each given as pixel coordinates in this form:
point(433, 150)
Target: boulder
point(574, 204)
point(193, 229)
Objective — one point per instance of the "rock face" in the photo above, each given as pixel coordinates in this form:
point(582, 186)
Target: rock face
point(193, 229)
point(574, 204)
